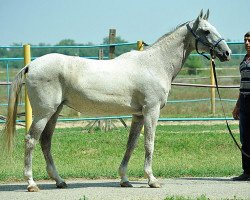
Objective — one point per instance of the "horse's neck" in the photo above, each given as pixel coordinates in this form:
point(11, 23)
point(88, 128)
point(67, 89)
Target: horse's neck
point(173, 50)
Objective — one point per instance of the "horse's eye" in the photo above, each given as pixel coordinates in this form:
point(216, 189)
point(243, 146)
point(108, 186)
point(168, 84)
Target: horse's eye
point(207, 32)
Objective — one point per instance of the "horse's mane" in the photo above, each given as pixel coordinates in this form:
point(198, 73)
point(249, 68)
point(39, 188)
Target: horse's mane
point(169, 33)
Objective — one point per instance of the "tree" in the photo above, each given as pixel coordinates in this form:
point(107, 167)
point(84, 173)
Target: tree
point(120, 49)
point(68, 51)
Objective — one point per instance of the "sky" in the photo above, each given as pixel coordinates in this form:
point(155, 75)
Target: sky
point(50, 21)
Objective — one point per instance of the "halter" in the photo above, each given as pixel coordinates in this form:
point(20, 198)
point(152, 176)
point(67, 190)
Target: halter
point(199, 39)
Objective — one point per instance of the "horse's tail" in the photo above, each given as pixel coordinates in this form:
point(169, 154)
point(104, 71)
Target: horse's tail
point(14, 97)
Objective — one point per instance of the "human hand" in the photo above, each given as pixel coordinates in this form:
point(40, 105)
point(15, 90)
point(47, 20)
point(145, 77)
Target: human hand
point(236, 113)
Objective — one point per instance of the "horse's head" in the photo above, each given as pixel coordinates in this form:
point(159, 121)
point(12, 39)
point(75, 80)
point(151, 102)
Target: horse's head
point(207, 38)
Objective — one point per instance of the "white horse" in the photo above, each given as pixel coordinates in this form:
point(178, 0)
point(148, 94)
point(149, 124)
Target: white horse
point(136, 83)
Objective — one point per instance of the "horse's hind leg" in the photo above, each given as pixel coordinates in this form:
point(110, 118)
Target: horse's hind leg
point(31, 139)
point(45, 142)
point(136, 127)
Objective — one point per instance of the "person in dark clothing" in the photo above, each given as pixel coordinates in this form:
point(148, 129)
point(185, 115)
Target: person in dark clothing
point(242, 111)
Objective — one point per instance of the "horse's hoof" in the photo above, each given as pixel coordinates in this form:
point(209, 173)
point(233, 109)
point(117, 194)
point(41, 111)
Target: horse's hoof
point(33, 188)
point(61, 185)
point(126, 184)
point(155, 185)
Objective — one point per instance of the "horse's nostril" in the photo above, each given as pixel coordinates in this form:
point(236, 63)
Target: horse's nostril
point(226, 53)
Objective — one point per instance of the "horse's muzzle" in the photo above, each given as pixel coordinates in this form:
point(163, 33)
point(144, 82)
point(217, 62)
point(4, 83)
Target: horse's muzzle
point(223, 55)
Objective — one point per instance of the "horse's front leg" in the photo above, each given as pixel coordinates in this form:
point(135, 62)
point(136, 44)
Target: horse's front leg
point(136, 127)
point(151, 116)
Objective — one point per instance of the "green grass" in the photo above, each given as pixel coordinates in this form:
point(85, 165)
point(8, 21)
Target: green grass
point(180, 151)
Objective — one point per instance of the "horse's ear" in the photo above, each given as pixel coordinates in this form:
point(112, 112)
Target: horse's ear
point(206, 15)
point(199, 17)
point(201, 14)
point(197, 21)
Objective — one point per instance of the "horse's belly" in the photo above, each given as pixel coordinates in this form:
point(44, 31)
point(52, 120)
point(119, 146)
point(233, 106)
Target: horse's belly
point(103, 106)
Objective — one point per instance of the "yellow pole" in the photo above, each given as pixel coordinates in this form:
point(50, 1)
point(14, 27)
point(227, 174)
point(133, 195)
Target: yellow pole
point(212, 89)
point(140, 48)
point(140, 45)
point(28, 110)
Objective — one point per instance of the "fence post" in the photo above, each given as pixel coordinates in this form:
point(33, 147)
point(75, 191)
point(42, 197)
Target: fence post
point(212, 89)
point(100, 122)
point(140, 45)
point(28, 110)
point(112, 35)
point(100, 54)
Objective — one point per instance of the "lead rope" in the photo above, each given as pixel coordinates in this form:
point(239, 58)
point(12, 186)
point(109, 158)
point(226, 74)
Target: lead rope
point(223, 110)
